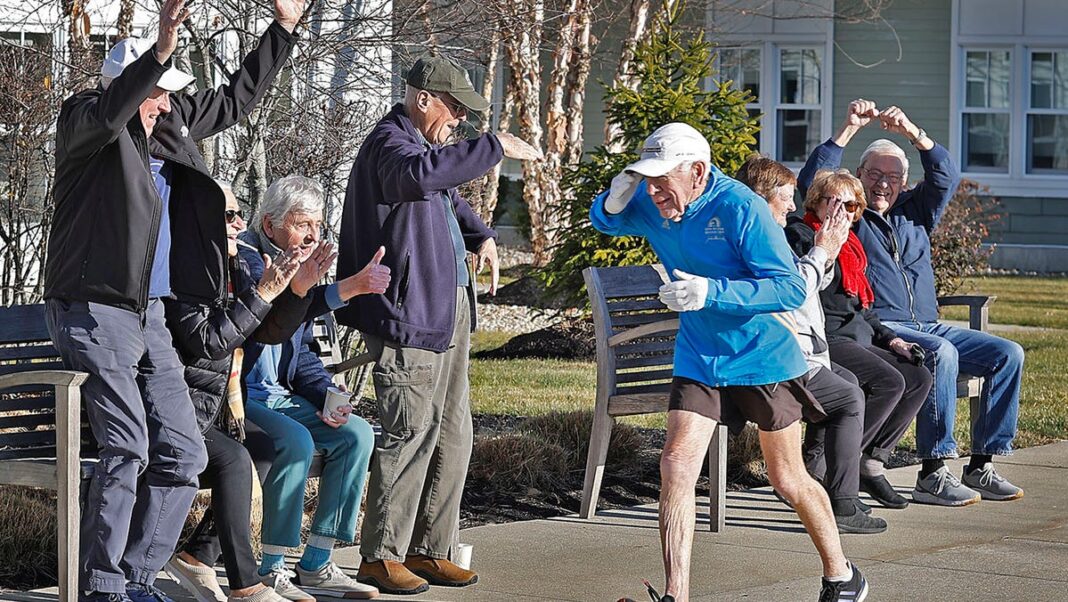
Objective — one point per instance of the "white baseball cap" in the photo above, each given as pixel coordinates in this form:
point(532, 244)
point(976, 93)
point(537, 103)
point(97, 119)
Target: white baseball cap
point(129, 50)
point(669, 146)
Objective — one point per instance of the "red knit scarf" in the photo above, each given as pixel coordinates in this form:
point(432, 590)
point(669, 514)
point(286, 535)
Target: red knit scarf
point(853, 261)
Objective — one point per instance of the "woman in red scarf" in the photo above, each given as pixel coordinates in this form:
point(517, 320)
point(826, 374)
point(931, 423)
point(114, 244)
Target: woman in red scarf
point(894, 382)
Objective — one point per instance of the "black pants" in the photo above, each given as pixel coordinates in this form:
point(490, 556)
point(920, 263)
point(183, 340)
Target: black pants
point(895, 390)
point(225, 529)
point(832, 447)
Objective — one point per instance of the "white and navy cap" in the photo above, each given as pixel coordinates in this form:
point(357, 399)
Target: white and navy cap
point(668, 147)
point(129, 50)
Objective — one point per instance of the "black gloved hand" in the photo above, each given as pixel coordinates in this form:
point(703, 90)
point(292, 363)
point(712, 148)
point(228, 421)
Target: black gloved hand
point(918, 355)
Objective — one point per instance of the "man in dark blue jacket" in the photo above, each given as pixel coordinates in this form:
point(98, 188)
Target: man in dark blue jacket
point(896, 232)
point(402, 195)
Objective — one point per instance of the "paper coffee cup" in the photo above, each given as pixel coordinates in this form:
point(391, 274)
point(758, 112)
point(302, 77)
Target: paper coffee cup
point(463, 555)
point(336, 398)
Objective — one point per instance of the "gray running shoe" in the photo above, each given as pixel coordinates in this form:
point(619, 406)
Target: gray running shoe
point(280, 580)
point(199, 581)
point(332, 581)
point(991, 485)
point(941, 488)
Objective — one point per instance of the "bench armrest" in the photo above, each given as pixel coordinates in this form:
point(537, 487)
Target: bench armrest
point(55, 378)
point(978, 308)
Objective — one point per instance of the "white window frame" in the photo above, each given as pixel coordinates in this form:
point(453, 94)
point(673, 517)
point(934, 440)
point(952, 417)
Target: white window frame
point(1029, 110)
point(1017, 182)
point(964, 109)
point(770, 83)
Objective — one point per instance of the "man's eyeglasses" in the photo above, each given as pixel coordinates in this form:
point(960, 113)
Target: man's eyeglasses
point(454, 107)
point(233, 214)
point(850, 206)
point(893, 177)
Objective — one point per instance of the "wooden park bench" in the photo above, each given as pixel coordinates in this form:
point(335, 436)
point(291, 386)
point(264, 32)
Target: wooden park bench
point(44, 441)
point(635, 336)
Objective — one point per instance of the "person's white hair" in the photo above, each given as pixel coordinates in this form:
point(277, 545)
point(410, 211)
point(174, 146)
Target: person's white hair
point(291, 194)
point(882, 146)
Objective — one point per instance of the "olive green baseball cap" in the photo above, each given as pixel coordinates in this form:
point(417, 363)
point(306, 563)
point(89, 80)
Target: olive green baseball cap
point(441, 74)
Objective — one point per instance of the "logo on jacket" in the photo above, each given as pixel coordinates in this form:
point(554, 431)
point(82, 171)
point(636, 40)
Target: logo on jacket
point(185, 132)
point(714, 230)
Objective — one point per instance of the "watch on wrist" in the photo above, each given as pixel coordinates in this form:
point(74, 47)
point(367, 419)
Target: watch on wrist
point(920, 135)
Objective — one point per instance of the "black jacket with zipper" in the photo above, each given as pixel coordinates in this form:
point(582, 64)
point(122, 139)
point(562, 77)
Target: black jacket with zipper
point(846, 317)
point(107, 210)
point(206, 336)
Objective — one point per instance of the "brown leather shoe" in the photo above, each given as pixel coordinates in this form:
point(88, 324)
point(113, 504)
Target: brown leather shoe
point(390, 577)
point(440, 572)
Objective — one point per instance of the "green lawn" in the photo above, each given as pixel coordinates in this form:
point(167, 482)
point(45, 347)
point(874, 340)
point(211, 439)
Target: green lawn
point(532, 387)
point(1027, 301)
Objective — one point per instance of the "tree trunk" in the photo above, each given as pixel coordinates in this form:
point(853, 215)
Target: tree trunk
point(78, 28)
point(522, 49)
point(639, 23)
point(489, 184)
point(126, 15)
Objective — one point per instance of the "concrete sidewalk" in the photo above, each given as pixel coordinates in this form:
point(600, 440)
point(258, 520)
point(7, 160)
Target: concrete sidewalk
point(989, 551)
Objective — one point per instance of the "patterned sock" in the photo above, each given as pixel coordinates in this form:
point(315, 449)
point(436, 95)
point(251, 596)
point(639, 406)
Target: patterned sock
point(317, 552)
point(274, 557)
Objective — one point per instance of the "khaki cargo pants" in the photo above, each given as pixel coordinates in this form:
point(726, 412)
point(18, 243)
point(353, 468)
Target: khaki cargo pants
point(420, 462)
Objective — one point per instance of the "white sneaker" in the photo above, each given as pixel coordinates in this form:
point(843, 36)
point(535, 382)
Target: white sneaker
point(280, 580)
point(199, 581)
point(941, 488)
point(266, 594)
point(331, 581)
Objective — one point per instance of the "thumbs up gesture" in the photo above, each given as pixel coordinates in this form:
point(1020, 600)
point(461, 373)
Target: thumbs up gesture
point(373, 278)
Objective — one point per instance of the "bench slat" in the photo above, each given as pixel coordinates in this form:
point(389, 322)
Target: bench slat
point(645, 345)
point(47, 452)
point(39, 402)
point(646, 304)
point(23, 324)
point(662, 387)
point(667, 359)
point(28, 352)
point(643, 376)
point(28, 439)
point(629, 281)
point(30, 367)
point(646, 403)
point(28, 420)
point(625, 321)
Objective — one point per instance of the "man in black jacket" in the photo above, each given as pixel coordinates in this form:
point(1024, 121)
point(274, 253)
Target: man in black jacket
point(128, 176)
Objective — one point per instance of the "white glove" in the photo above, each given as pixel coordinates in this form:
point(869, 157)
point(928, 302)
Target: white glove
point(688, 293)
point(622, 190)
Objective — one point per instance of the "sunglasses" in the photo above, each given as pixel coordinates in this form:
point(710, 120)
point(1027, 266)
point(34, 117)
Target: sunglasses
point(233, 214)
point(893, 178)
point(850, 206)
point(454, 107)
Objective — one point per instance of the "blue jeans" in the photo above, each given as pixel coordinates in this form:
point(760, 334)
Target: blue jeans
point(950, 351)
point(297, 432)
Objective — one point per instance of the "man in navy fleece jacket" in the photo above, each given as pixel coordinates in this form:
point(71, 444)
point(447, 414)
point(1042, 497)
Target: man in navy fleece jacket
point(402, 195)
point(895, 232)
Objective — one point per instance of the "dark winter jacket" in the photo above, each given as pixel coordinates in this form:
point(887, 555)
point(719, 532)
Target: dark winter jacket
point(107, 210)
point(301, 372)
point(899, 244)
point(846, 318)
point(394, 199)
point(207, 335)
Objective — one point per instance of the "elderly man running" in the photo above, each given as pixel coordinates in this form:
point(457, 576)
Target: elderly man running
point(736, 357)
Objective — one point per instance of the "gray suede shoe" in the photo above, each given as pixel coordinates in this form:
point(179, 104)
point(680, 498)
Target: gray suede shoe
point(941, 488)
point(991, 485)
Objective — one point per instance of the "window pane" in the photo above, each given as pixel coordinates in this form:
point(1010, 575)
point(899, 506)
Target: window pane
point(1049, 80)
point(742, 66)
point(799, 133)
point(987, 79)
point(1047, 137)
point(800, 76)
point(986, 141)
